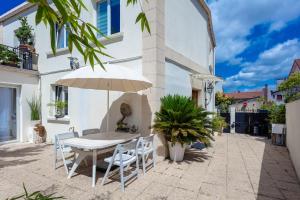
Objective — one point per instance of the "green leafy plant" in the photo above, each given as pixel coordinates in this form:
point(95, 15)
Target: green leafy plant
point(24, 32)
point(37, 195)
point(277, 114)
point(35, 107)
point(8, 56)
point(218, 123)
point(181, 120)
point(223, 101)
point(59, 106)
point(291, 87)
point(82, 34)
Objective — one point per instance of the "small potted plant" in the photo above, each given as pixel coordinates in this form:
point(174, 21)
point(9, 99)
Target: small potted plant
point(8, 57)
point(182, 122)
point(24, 35)
point(218, 124)
point(35, 113)
point(59, 108)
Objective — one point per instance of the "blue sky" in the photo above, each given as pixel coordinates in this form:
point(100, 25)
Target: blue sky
point(6, 5)
point(257, 41)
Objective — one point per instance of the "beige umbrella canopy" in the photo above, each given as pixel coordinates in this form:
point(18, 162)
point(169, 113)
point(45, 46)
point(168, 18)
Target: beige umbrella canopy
point(113, 78)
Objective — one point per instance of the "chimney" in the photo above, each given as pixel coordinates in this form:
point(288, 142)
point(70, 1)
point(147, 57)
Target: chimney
point(266, 91)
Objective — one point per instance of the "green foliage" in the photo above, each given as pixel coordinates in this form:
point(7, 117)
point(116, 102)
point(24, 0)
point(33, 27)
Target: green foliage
point(24, 32)
point(223, 102)
point(291, 87)
point(8, 56)
point(35, 196)
point(277, 114)
point(35, 107)
point(181, 120)
point(218, 123)
point(82, 34)
point(59, 105)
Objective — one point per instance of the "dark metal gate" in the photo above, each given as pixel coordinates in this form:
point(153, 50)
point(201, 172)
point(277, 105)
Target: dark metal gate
point(253, 123)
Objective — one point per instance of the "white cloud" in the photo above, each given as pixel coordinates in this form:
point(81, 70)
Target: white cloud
point(234, 19)
point(271, 64)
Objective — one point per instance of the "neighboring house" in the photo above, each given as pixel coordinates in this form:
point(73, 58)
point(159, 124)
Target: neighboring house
point(295, 67)
point(181, 44)
point(275, 95)
point(251, 100)
point(278, 96)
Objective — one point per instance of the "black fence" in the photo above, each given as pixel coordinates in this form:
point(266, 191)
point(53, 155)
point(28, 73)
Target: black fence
point(23, 58)
point(253, 123)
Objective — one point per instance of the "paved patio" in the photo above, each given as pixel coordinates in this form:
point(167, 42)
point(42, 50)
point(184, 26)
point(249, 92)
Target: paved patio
point(236, 167)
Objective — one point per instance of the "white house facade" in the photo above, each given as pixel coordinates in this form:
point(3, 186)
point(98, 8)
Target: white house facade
point(181, 44)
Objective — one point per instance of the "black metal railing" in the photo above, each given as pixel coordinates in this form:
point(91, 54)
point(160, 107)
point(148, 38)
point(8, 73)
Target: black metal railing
point(21, 57)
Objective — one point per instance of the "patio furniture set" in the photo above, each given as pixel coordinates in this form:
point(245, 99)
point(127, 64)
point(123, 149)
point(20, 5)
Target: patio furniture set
point(127, 149)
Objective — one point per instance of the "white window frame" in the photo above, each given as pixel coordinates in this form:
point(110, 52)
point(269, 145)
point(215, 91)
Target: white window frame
point(108, 16)
point(64, 35)
point(53, 98)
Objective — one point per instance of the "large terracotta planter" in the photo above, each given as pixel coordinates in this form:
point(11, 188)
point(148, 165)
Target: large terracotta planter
point(176, 151)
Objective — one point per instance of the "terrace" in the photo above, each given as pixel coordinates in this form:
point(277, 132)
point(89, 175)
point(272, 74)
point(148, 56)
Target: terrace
point(20, 58)
point(237, 166)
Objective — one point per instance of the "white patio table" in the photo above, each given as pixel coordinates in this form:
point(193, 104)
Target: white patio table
point(94, 144)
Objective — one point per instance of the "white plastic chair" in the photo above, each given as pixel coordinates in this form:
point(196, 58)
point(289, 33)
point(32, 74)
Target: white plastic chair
point(123, 156)
point(90, 131)
point(64, 150)
point(145, 148)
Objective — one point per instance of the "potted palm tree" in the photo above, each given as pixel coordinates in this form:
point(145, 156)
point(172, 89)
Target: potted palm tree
point(182, 122)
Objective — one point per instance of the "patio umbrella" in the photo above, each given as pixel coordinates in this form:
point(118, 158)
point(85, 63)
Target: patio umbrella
point(113, 78)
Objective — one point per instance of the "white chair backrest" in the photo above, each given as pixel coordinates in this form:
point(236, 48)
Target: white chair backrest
point(129, 148)
point(147, 142)
point(59, 138)
point(90, 131)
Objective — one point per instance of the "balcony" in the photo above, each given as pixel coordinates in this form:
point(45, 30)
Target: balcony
point(21, 58)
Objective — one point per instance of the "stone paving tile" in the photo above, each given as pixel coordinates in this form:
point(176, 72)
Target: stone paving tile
point(235, 167)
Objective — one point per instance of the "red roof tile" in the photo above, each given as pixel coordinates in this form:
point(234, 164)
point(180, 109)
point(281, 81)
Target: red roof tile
point(245, 95)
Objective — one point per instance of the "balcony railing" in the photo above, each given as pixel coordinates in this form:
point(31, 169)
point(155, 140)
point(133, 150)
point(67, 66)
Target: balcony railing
point(22, 58)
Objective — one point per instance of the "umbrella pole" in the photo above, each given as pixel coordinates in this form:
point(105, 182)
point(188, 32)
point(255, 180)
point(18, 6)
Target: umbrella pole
point(107, 118)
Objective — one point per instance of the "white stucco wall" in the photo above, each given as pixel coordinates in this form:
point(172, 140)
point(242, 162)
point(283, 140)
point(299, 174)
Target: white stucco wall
point(186, 31)
point(27, 86)
point(293, 134)
point(177, 80)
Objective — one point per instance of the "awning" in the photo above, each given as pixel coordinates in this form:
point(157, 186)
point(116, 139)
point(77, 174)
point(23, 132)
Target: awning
point(207, 77)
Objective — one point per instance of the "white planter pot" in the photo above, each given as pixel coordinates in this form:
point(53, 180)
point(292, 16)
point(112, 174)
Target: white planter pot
point(176, 151)
point(31, 133)
point(278, 128)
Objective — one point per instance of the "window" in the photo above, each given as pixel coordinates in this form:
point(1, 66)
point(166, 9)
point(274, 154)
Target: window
point(279, 97)
point(108, 16)
point(61, 37)
point(61, 94)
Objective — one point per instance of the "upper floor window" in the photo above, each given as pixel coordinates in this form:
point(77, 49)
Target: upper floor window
point(61, 37)
point(108, 16)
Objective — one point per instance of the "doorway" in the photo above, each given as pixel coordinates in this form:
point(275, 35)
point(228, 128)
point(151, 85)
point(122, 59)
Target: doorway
point(8, 114)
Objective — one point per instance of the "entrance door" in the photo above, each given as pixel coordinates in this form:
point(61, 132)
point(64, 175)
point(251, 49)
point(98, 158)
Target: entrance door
point(8, 123)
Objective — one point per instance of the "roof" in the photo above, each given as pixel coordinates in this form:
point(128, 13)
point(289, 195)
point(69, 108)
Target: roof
point(210, 25)
point(245, 95)
point(16, 10)
point(25, 6)
point(295, 66)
